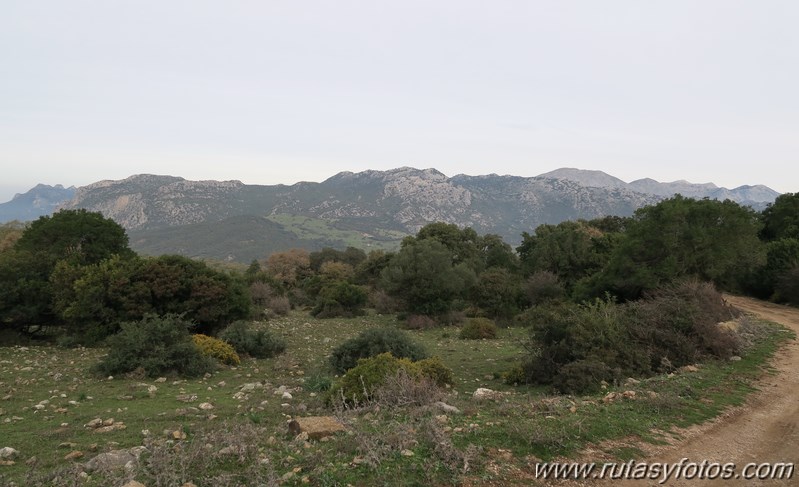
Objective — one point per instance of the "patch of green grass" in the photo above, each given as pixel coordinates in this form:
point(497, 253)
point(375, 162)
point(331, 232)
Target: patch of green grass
point(309, 228)
point(526, 421)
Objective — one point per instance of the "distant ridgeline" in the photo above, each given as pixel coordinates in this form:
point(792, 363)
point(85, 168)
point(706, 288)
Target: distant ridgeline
point(229, 220)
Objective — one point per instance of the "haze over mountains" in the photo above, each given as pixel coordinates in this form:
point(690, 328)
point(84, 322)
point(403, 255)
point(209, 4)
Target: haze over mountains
point(230, 220)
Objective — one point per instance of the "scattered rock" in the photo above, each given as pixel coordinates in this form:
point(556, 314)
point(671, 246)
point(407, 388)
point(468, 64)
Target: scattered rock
point(114, 459)
point(67, 445)
point(631, 382)
point(407, 453)
point(316, 426)
point(160, 380)
point(689, 368)
point(628, 394)
point(178, 435)
point(111, 427)
point(286, 396)
point(7, 463)
point(483, 394)
point(32, 461)
point(8, 453)
point(73, 455)
point(442, 419)
point(735, 358)
point(206, 406)
point(95, 423)
point(610, 397)
point(447, 408)
point(134, 483)
point(186, 397)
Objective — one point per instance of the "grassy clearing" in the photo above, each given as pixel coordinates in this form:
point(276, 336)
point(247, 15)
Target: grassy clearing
point(489, 440)
point(318, 229)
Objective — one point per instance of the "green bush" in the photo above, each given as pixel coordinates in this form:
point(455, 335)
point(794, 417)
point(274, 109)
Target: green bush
point(340, 299)
point(574, 347)
point(258, 344)
point(372, 342)
point(582, 376)
point(478, 328)
point(216, 349)
point(156, 344)
point(361, 382)
point(435, 370)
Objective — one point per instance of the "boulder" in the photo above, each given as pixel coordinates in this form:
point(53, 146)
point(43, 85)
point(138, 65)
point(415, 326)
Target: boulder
point(111, 460)
point(483, 394)
point(8, 453)
point(317, 427)
point(446, 408)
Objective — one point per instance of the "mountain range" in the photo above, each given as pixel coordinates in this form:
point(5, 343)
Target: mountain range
point(229, 220)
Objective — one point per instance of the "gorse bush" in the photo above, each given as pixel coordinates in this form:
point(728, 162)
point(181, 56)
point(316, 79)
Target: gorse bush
point(479, 328)
point(157, 345)
point(258, 344)
point(216, 349)
point(375, 341)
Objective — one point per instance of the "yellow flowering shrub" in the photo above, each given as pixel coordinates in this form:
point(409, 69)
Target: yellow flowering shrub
point(217, 349)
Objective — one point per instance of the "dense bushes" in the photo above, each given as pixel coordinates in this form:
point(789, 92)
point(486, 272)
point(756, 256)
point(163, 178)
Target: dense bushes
point(258, 344)
point(478, 328)
point(362, 382)
point(340, 299)
point(574, 347)
point(375, 341)
point(157, 346)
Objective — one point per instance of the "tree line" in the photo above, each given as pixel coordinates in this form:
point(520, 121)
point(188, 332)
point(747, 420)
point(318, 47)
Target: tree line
point(75, 273)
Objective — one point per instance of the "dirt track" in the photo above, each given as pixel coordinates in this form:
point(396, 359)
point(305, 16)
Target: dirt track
point(766, 429)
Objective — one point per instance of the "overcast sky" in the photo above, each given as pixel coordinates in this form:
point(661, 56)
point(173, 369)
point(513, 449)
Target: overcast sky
point(273, 92)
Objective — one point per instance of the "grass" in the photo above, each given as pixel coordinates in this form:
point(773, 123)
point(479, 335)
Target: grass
point(310, 228)
point(385, 447)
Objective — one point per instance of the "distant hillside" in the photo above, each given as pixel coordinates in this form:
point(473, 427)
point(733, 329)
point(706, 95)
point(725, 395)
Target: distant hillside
point(39, 201)
point(229, 220)
point(755, 196)
point(371, 210)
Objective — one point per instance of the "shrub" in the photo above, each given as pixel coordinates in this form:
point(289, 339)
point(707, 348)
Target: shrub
point(280, 305)
point(258, 344)
point(478, 328)
point(544, 286)
point(435, 370)
point(582, 376)
point(360, 382)
point(372, 342)
point(157, 345)
point(340, 299)
point(382, 302)
point(216, 349)
point(399, 378)
point(420, 322)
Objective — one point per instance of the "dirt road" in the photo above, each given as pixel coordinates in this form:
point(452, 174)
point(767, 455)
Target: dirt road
point(766, 429)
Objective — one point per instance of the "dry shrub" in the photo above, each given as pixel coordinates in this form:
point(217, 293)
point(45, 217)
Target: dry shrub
point(420, 322)
point(280, 305)
point(224, 455)
point(382, 302)
point(260, 292)
point(479, 328)
point(405, 390)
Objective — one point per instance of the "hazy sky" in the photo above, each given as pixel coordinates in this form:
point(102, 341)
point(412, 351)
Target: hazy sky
point(280, 91)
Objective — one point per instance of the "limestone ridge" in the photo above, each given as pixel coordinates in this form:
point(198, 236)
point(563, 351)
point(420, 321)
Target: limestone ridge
point(755, 196)
point(370, 209)
point(40, 200)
